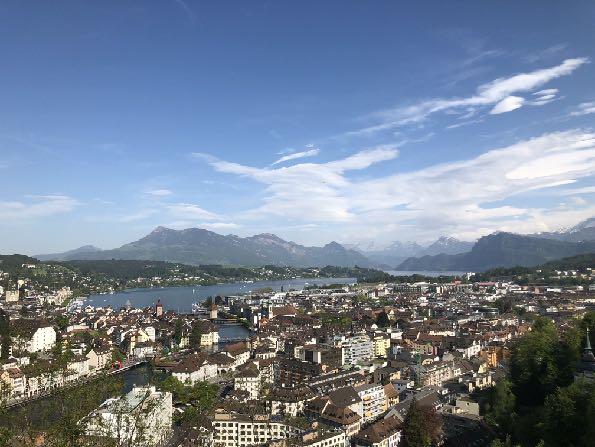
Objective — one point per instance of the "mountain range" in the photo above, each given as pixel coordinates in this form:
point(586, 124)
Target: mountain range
point(583, 231)
point(508, 250)
point(501, 250)
point(70, 254)
point(397, 251)
point(198, 246)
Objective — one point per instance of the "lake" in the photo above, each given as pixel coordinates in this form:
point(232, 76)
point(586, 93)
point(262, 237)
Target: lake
point(432, 274)
point(180, 299)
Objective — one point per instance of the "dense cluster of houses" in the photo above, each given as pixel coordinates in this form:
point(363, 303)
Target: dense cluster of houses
point(321, 367)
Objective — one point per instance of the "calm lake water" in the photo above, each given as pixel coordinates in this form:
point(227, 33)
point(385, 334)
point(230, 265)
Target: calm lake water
point(429, 273)
point(180, 299)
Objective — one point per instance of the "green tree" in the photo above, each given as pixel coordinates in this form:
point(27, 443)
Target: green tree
point(422, 426)
point(195, 335)
point(5, 339)
point(62, 321)
point(118, 356)
point(202, 395)
point(500, 407)
point(382, 319)
point(178, 330)
point(569, 416)
point(506, 443)
point(534, 363)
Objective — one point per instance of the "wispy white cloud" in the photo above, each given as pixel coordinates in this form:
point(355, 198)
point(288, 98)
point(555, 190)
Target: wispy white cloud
point(322, 183)
point(547, 91)
point(508, 104)
point(159, 192)
point(213, 226)
point(187, 11)
point(585, 108)
point(545, 54)
point(37, 206)
point(544, 97)
point(504, 91)
point(189, 211)
point(577, 191)
point(296, 155)
point(464, 123)
point(138, 215)
point(464, 198)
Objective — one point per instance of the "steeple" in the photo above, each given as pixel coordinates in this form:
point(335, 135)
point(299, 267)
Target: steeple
point(586, 367)
point(588, 351)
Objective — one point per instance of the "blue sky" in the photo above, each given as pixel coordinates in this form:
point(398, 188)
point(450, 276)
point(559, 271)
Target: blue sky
point(361, 122)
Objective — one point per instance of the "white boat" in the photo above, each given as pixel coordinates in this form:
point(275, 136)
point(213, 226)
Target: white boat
point(197, 308)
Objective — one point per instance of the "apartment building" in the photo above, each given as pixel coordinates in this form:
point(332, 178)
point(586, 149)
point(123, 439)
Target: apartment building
point(356, 348)
point(236, 430)
point(373, 401)
point(248, 380)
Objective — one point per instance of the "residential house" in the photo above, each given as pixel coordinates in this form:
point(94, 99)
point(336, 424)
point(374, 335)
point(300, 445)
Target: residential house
point(32, 335)
point(99, 358)
point(194, 368)
point(383, 433)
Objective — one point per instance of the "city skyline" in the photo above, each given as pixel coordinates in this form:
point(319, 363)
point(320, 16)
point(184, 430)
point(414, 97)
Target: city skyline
point(388, 125)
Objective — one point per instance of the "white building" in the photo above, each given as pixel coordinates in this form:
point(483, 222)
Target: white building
point(32, 335)
point(315, 438)
point(248, 379)
point(142, 417)
point(12, 296)
point(235, 430)
point(356, 348)
point(194, 368)
point(373, 401)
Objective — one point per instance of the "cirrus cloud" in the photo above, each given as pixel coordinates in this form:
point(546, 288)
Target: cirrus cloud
point(508, 104)
point(502, 93)
point(189, 211)
point(37, 206)
point(295, 155)
point(465, 197)
point(585, 108)
point(159, 192)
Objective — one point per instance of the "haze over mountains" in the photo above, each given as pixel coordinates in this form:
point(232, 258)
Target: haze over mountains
point(398, 251)
point(508, 250)
point(501, 250)
point(198, 246)
point(583, 231)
